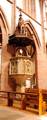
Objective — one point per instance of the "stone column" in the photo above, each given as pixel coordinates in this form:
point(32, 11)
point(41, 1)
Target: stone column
point(24, 5)
point(13, 18)
point(30, 7)
point(27, 6)
point(42, 23)
point(4, 61)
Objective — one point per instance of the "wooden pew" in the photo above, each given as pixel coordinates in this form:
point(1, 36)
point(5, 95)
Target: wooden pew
point(33, 99)
point(44, 94)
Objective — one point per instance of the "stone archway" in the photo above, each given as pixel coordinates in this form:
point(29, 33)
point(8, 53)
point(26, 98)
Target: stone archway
point(4, 62)
point(35, 35)
point(4, 20)
point(37, 43)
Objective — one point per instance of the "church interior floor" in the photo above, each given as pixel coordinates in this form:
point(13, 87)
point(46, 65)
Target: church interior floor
point(7, 113)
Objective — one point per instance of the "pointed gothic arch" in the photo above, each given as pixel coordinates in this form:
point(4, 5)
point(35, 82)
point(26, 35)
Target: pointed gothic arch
point(4, 20)
point(33, 31)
